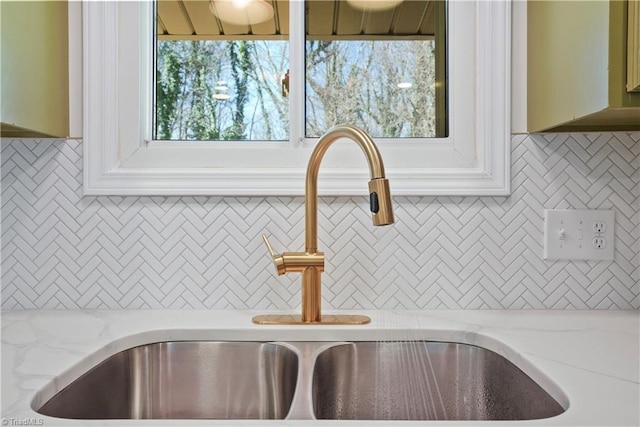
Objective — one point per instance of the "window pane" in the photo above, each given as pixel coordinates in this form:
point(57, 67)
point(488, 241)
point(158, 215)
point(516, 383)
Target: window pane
point(219, 72)
point(376, 68)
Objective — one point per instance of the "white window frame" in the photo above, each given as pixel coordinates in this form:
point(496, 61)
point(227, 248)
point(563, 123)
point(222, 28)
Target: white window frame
point(121, 159)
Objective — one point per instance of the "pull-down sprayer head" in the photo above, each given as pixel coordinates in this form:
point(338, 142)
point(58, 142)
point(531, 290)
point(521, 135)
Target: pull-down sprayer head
point(380, 201)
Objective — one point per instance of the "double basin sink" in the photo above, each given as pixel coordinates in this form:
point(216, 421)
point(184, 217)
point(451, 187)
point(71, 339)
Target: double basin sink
point(387, 380)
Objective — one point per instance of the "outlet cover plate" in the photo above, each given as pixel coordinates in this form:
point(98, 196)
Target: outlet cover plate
point(573, 234)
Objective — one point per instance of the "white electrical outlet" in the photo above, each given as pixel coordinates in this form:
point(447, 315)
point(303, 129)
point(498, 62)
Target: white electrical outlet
point(599, 226)
point(578, 234)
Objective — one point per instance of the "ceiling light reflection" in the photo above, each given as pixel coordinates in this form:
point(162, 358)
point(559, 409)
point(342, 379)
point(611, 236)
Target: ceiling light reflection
point(374, 5)
point(241, 12)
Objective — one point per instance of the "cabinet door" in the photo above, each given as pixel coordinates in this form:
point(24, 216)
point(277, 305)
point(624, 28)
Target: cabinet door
point(35, 79)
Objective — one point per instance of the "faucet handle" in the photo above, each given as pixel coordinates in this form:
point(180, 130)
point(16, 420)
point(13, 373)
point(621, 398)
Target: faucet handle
point(278, 259)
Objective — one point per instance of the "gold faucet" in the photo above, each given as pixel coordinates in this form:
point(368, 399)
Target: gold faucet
point(311, 262)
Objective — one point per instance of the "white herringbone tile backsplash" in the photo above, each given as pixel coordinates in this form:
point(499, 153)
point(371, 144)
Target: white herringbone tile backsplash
point(61, 250)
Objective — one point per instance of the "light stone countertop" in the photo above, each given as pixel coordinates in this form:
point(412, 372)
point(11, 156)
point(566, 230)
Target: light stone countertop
point(589, 361)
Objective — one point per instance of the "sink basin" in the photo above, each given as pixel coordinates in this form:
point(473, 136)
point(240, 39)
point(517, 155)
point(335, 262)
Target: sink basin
point(239, 380)
point(421, 380)
point(305, 380)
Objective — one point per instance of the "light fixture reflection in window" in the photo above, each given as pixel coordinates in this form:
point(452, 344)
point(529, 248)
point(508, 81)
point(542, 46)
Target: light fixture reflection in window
point(221, 87)
point(374, 5)
point(241, 12)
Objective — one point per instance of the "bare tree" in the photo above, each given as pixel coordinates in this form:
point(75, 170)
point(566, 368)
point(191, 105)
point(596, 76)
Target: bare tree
point(357, 82)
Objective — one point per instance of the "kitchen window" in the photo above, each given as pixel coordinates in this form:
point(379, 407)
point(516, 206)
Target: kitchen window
point(132, 146)
point(224, 75)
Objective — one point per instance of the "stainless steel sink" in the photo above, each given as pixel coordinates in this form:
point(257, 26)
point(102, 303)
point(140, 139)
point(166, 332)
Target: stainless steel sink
point(229, 380)
point(392, 380)
point(424, 381)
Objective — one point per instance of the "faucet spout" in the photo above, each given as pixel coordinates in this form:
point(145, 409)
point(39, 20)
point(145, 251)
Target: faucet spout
point(379, 194)
point(311, 262)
